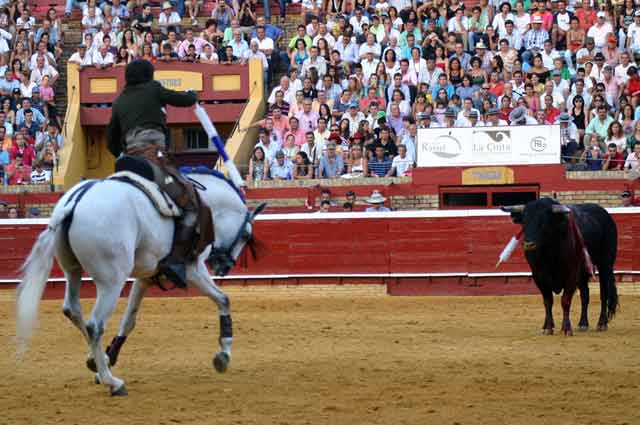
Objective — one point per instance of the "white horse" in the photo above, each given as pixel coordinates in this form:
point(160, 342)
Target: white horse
point(113, 231)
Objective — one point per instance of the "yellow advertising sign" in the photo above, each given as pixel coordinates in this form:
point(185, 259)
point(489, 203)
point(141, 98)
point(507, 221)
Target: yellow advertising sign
point(226, 82)
point(179, 80)
point(103, 85)
point(487, 175)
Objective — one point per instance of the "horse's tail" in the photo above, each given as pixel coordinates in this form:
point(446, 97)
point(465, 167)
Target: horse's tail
point(35, 274)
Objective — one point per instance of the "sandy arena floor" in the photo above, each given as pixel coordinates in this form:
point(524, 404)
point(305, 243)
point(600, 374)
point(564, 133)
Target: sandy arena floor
point(333, 360)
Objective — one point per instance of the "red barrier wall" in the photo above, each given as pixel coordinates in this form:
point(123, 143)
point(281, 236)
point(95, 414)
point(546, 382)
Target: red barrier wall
point(413, 252)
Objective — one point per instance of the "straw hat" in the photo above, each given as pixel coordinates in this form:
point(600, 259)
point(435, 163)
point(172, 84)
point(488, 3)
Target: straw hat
point(375, 198)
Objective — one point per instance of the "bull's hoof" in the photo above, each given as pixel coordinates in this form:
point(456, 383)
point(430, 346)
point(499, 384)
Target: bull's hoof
point(567, 331)
point(119, 392)
point(583, 328)
point(221, 362)
point(602, 327)
point(96, 379)
point(548, 331)
point(91, 365)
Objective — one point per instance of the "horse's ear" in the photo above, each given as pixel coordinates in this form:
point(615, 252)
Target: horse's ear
point(258, 210)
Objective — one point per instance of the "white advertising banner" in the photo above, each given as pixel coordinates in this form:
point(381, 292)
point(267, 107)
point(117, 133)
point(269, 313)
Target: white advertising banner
point(472, 146)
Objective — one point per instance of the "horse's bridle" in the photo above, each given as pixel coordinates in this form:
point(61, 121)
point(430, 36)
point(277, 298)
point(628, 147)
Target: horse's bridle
point(221, 258)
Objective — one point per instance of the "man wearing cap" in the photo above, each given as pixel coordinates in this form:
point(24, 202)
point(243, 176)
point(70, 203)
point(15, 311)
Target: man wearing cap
point(168, 17)
point(493, 118)
point(81, 57)
point(611, 52)
point(627, 199)
point(587, 53)
point(426, 121)
point(568, 137)
point(534, 39)
point(600, 30)
point(449, 118)
point(138, 130)
point(376, 200)
point(520, 116)
point(354, 116)
point(597, 72)
point(331, 165)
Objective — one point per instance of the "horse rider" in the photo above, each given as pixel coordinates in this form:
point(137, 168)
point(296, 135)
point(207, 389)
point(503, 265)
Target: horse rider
point(138, 135)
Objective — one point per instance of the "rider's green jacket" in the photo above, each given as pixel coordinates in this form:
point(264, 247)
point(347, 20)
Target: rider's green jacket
point(141, 105)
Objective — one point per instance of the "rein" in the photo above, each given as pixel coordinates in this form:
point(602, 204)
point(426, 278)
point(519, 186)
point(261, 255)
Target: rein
point(221, 258)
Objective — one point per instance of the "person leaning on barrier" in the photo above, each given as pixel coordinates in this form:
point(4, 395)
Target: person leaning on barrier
point(519, 116)
point(568, 137)
point(138, 134)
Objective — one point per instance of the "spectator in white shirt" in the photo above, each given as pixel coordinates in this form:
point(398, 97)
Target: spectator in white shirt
point(238, 44)
point(92, 22)
point(402, 163)
point(323, 33)
point(347, 48)
point(168, 17)
point(254, 53)
point(103, 58)
point(600, 30)
point(81, 57)
point(43, 69)
point(314, 61)
point(370, 46)
point(42, 52)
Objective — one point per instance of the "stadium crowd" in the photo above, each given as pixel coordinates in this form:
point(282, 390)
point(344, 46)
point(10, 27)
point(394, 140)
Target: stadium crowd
point(29, 121)
point(363, 76)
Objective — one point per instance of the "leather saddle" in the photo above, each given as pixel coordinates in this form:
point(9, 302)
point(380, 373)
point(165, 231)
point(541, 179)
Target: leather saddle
point(148, 178)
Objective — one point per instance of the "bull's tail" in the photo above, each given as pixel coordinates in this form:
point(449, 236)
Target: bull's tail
point(612, 297)
point(35, 274)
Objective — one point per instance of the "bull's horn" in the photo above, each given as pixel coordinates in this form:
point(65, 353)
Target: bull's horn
point(258, 210)
point(513, 209)
point(560, 209)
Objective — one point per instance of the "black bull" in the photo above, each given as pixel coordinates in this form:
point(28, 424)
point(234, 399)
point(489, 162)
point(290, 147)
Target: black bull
point(555, 236)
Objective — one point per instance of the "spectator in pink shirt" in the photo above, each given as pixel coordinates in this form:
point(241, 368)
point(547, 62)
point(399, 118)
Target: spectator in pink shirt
point(46, 91)
point(296, 131)
point(307, 118)
point(189, 40)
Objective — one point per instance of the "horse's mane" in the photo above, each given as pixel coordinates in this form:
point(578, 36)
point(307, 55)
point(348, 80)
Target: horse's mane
point(201, 169)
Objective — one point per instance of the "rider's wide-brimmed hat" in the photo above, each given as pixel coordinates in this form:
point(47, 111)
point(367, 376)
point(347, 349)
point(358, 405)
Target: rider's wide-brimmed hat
point(375, 198)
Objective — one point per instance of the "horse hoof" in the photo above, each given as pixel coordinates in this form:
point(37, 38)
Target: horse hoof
point(96, 379)
point(583, 328)
point(547, 331)
point(221, 362)
point(120, 392)
point(91, 364)
point(602, 328)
